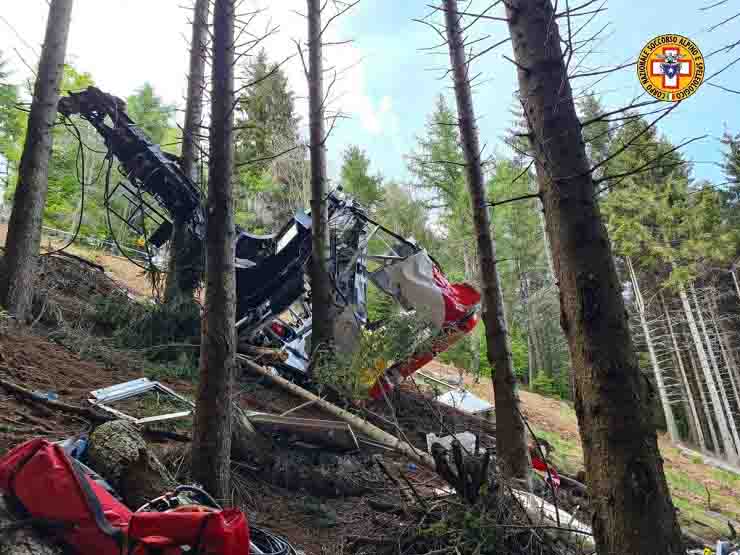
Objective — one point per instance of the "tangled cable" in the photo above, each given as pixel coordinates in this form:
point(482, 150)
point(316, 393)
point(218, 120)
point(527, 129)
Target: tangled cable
point(264, 542)
point(80, 174)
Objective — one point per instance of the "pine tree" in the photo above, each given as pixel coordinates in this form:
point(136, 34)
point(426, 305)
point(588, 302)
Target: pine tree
point(731, 167)
point(356, 179)
point(211, 452)
point(11, 127)
point(267, 125)
point(631, 503)
point(321, 295)
point(150, 112)
point(511, 443)
point(185, 263)
point(597, 133)
point(24, 230)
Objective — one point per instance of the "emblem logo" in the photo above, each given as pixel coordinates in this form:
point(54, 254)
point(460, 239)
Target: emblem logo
point(670, 67)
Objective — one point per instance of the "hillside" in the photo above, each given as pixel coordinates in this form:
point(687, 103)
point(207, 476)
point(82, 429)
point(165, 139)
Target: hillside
point(705, 495)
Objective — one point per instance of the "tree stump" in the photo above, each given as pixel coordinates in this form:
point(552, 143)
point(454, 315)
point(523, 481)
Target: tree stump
point(119, 454)
point(23, 540)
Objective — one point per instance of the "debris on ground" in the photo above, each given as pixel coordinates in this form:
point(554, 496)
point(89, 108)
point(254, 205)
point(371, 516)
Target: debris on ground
point(101, 398)
point(466, 439)
point(308, 432)
point(467, 402)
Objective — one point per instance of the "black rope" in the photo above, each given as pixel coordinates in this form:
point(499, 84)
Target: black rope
point(80, 174)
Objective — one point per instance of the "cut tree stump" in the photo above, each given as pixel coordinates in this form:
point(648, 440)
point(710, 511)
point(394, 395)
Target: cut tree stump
point(119, 454)
point(19, 539)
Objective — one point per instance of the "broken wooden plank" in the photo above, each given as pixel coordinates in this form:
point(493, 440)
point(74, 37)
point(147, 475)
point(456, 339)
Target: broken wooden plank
point(324, 432)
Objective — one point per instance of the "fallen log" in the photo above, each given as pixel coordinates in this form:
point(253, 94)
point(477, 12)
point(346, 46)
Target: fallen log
point(118, 452)
point(317, 472)
point(262, 354)
point(356, 422)
point(66, 408)
point(30, 396)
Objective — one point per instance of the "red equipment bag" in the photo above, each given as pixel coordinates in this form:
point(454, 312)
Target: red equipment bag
point(209, 533)
point(52, 487)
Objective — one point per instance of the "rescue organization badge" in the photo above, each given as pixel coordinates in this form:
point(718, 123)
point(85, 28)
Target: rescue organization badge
point(670, 67)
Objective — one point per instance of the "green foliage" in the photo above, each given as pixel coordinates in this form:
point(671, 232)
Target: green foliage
point(150, 113)
point(597, 133)
point(269, 189)
point(184, 368)
point(356, 179)
point(401, 335)
point(406, 216)
point(731, 166)
point(11, 119)
point(149, 327)
point(659, 217)
point(545, 385)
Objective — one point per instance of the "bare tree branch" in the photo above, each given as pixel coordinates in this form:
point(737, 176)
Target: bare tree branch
point(515, 199)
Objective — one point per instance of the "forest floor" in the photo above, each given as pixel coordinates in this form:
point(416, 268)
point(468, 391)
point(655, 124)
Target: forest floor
point(706, 496)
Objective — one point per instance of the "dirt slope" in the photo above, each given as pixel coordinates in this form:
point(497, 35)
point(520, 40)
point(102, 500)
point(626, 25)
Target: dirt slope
point(118, 267)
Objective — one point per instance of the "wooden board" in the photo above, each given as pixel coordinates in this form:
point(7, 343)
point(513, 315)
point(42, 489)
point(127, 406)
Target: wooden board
point(322, 432)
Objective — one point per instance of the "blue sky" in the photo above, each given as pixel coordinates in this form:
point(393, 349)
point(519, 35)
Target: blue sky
point(388, 88)
point(384, 31)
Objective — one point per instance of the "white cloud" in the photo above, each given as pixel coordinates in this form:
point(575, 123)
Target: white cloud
point(349, 94)
point(124, 44)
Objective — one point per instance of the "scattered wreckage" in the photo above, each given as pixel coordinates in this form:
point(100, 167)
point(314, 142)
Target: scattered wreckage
point(273, 304)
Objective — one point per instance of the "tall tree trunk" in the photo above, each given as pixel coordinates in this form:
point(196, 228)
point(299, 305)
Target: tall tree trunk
point(212, 434)
point(725, 348)
point(472, 275)
point(693, 415)
point(185, 265)
point(511, 441)
point(734, 280)
point(666, 404)
point(321, 296)
point(705, 404)
point(725, 443)
point(531, 344)
point(734, 445)
point(546, 242)
point(632, 507)
point(24, 229)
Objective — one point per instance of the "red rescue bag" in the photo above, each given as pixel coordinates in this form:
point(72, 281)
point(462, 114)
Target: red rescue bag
point(51, 486)
point(208, 533)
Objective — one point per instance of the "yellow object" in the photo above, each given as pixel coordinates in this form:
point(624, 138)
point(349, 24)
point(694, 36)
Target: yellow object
point(670, 67)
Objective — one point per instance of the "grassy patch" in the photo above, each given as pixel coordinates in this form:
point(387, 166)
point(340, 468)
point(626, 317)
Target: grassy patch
point(679, 483)
point(727, 479)
point(154, 403)
point(696, 520)
point(185, 369)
